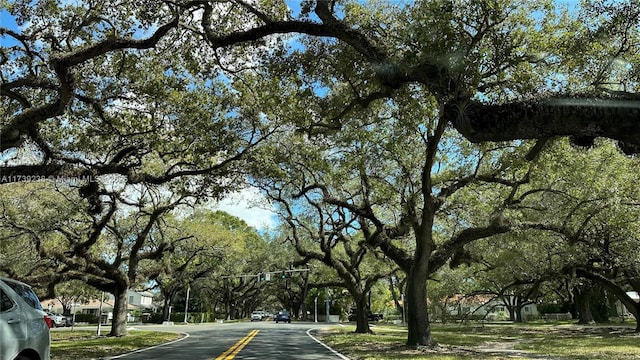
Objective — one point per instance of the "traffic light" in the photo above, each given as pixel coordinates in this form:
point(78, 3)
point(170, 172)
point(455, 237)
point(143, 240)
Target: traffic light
point(261, 277)
point(283, 275)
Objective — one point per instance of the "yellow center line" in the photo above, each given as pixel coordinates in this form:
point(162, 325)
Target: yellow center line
point(235, 349)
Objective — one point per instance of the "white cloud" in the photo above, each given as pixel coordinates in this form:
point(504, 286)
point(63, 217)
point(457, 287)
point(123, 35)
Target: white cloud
point(250, 206)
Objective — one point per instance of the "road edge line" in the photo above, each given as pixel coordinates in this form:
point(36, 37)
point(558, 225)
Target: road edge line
point(186, 335)
point(326, 346)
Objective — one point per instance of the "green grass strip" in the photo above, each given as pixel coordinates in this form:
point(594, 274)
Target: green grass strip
point(85, 345)
point(482, 341)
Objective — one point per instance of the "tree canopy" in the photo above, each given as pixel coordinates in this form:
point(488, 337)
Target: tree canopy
point(420, 125)
point(501, 73)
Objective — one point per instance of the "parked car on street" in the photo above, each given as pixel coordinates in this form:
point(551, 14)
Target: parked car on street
point(283, 316)
point(24, 326)
point(59, 320)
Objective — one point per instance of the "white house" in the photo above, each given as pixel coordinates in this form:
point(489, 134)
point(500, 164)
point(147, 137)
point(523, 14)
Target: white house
point(136, 300)
point(141, 299)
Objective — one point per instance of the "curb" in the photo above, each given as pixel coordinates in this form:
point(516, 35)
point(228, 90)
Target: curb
point(326, 346)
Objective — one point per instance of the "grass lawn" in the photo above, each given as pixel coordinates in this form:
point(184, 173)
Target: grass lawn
point(85, 345)
point(491, 342)
point(587, 343)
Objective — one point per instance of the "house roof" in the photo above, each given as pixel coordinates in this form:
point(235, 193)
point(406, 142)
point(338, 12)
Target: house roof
point(472, 300)
point(144, 293)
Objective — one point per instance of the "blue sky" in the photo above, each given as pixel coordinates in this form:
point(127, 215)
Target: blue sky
point(7, 21)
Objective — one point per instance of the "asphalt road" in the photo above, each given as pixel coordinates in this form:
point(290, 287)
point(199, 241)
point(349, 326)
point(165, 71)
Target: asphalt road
point(239, 341)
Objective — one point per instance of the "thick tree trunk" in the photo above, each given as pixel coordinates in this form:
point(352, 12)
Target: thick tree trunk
point(518, 309)
point(303, 309)
point(583, 305)
point(362, 321)
point(518, 316)
point(119, 325)
point(166, 306)
point(165, 310)
point(295, 309)
point(418, 326)
point(508, 304)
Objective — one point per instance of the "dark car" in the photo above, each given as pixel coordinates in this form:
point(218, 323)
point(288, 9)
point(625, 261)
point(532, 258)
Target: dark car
point(283, 316)
point(370, 316)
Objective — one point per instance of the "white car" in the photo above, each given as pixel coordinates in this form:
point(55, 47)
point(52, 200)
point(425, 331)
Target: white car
point(257, 316)
point(58, 319)
point(24, 327)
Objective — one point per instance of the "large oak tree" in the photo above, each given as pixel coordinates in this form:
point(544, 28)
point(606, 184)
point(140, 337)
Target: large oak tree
point(487, 69)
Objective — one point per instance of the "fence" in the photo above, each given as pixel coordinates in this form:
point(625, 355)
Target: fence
point(557, 316)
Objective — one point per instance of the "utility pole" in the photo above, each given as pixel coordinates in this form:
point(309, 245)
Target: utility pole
point(326, 300)
point(186, 305)
point(315, 309)
point(73, 322)
point(100, 313)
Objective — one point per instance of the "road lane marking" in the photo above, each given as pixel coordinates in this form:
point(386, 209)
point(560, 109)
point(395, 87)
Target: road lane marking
point(235, 349)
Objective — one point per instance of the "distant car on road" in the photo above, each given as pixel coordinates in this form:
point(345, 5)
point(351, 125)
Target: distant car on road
point(58, 319)
point(257, 316)
point(283, 316)
point(24, 326)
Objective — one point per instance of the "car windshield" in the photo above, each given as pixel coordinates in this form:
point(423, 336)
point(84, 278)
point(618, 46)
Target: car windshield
point(25, 293)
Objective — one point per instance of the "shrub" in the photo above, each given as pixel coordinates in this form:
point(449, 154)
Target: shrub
point(155, 318)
